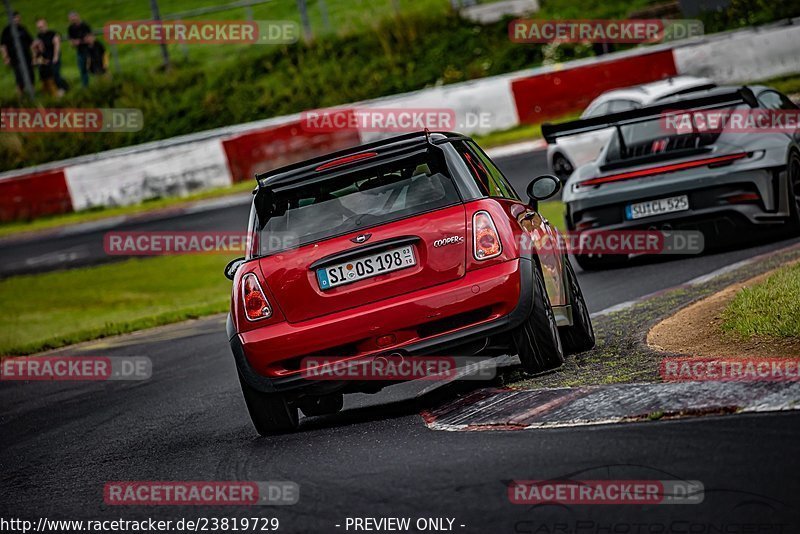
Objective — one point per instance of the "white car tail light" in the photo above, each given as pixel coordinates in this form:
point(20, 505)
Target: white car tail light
point(485, 239)
point(255, 302)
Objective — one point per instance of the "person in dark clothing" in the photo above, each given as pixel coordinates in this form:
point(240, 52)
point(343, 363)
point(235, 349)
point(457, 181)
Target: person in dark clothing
point(48, 59)
point(78, 32)
point(96, 55)
point(10, 55)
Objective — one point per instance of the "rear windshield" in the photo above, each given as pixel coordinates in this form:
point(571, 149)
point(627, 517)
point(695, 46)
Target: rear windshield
point(344, 203)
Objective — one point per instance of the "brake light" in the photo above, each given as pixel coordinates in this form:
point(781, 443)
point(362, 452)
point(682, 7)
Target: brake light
point(485, 240)
point(663, 169)
point(345, 160)
point(742, 198)
point(256, 305)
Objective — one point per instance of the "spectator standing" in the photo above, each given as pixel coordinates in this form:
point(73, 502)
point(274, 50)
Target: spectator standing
point(77, 33)
point(96, 56)
point(49, 59)
point(10, 55)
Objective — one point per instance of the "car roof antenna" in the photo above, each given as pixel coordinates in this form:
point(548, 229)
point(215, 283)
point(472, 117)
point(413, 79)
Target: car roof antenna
point(428, 136)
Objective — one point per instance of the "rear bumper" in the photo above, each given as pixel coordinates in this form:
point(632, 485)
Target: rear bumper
point(265, 357)
point(712, 200)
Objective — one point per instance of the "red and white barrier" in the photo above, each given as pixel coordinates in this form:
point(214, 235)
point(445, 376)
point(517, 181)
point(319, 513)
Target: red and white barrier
point(220, 157)
point(33, 195)
point(744, 55)
point(133, 178)
point(262, 150)
point(553, 94)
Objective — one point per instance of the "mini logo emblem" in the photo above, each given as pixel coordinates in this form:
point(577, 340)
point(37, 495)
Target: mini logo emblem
point(452, 240)
point(361, 238)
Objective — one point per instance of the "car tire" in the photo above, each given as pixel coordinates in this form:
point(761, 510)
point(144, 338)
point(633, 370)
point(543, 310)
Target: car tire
point(562, 167)
point(271, 413)
point(537, 339)
point(578, 337)
point(793, 170)
point(596, 262)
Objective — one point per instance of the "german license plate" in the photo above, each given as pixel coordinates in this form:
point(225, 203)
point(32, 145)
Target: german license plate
point(652, 208)
point(366, 267)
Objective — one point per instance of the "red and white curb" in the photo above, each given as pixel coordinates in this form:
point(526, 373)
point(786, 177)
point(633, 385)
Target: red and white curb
point(506, 409)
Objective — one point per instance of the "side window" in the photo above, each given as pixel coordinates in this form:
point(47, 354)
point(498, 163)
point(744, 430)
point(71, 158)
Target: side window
point(595, 111)
point(786, 103)
point(615, 106)
point(490, 180)
point(774, 100)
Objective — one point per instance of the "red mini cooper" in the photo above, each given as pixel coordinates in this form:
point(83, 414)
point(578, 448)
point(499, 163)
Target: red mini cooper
point(411, 246)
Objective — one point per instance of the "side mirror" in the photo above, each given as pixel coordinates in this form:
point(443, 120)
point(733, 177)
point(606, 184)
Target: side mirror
point(543, 187)
point(232, 267)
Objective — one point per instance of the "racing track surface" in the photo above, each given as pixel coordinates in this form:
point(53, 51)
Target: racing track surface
point(60, 442)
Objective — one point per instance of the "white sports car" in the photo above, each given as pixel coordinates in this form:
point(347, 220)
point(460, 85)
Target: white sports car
point(569, 153)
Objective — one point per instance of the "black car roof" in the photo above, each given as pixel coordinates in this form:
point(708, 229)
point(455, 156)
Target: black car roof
point(390, 147)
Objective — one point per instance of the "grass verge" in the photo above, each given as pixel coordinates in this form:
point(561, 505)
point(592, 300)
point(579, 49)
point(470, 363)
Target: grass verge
point(523, 132)
point(50, 310)
point(770, 309)
point(789, 85)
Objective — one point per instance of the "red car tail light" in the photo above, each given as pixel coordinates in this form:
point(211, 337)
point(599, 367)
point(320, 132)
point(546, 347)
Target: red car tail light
point(485, 239)
point(255, 302)
point(345, 160)
point(715, 161)
point(742, 198)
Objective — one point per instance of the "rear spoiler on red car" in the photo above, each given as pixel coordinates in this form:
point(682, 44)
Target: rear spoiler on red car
point(295, 171)
point(742, 95)
point(382, 149)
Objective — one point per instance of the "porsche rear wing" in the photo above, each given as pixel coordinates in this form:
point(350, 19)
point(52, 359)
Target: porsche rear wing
point(743, 95)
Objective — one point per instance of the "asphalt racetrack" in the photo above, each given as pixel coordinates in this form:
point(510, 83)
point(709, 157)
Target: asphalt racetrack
point(61, 442)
